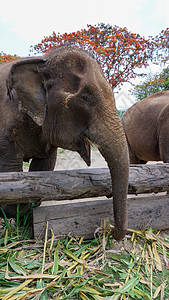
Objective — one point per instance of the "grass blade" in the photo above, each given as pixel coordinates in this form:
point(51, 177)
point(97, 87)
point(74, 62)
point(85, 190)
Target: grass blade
point(56, 261)
point(131, 283)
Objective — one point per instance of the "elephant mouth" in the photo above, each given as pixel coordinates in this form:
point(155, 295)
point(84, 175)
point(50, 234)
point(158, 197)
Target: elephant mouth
point(85, 150)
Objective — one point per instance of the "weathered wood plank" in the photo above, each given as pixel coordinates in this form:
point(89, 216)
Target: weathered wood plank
point(148, 178)
point(79, 218)
point(83, 216)
point(58, 185)
point(63, 185)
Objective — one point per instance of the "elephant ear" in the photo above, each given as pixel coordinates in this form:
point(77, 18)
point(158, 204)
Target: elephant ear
point(25, 86)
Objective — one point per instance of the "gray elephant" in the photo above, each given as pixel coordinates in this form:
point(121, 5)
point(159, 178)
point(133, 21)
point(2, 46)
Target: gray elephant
point(62, 100)
point(146, 125)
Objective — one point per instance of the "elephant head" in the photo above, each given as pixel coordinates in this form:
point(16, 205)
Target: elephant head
point(67, 95)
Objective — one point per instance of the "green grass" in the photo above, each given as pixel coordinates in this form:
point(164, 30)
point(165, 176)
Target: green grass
point(26, 164)
point(72, 268)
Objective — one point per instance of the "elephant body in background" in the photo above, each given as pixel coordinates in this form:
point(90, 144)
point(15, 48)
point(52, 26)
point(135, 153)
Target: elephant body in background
point(62, 100)
point(146, 125)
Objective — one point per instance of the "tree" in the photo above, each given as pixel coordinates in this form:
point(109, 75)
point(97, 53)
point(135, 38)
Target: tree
point(152, 84)
point(117, 50)
point(7, 57)
point(161, 46)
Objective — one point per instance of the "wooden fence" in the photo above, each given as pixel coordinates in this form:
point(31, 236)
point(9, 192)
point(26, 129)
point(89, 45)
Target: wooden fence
point(76, 201)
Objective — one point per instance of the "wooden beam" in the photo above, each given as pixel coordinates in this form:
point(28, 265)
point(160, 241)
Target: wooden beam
point(82, 217)
point(148, 178)
point(74, 184)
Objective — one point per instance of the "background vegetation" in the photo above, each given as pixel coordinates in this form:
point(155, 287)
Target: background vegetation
point(152, 84)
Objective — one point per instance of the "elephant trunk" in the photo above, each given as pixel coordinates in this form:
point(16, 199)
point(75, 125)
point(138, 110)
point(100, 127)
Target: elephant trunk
point(111, 142)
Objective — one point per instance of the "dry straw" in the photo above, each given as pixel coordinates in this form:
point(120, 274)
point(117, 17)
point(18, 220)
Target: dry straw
point(71, 268)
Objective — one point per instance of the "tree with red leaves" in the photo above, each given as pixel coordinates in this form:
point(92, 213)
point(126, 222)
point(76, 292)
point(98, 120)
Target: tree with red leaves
point(161, 45)
point(117, 50)
point(7, 57)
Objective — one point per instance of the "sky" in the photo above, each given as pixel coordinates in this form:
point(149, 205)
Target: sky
point(25, 23)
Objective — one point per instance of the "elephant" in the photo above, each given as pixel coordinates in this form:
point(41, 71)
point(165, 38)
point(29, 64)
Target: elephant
point(146, 125)
point(62, 99)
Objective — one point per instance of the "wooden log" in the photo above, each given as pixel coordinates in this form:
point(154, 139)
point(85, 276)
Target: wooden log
point(148, 178)
point(82, 217)
point(59, 185)
point(74, 184)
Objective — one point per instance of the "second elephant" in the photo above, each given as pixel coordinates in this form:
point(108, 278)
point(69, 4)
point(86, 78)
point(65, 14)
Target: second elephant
point(146, 125)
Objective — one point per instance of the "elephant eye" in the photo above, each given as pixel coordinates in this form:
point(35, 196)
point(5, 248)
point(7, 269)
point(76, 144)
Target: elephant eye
point(86, 97)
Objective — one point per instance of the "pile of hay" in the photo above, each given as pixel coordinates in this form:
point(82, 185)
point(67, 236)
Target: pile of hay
point(71, 268)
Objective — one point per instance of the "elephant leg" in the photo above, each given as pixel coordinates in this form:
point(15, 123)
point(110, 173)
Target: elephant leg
point(133, 158)
point(11, 161)
point(163, 139)
point(143, 161)
point(44, 164)
point(164, 149)
point(37, 164)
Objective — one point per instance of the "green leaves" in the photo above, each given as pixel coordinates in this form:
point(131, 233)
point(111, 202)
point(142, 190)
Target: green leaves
point(152, 84)
point(16, 266)
point(99, 269)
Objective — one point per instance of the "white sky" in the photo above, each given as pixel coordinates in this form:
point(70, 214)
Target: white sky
point(25, 23)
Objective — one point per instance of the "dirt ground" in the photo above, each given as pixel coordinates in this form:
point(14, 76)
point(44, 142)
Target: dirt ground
point(68, 160)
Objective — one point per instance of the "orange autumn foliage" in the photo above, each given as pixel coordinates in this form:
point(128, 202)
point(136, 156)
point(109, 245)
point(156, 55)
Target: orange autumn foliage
point(117, 50)
point(7, 57)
